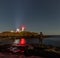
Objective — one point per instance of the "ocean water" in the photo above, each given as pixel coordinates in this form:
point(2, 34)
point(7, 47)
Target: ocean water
point(52, 41)
point(47, 41)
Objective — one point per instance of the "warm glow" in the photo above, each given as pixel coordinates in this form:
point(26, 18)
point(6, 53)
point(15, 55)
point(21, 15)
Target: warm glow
point(12, 31)
point(17, 30)
point(23, 28)
point(23, 41)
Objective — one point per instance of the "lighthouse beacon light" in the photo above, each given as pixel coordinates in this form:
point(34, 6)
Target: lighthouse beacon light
point(17, 30)
point(23, 28)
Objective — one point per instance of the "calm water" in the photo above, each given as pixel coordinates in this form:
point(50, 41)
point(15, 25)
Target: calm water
point(52, 41)
point(47, 41)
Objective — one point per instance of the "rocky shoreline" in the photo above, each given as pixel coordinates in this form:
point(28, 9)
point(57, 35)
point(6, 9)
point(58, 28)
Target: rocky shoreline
point(36, 52)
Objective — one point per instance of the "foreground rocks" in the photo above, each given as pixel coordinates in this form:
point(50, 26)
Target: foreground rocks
point(28, 53)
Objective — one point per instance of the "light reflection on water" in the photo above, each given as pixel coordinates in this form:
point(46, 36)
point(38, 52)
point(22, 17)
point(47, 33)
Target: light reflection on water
point(47, 41)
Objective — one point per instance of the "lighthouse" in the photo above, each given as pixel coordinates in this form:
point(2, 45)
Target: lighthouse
point(23, 28)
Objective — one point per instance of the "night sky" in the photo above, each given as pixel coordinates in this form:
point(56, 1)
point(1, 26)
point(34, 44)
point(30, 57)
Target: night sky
point(36, 15)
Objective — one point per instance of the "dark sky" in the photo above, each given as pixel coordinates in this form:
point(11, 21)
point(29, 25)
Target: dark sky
point(36, 15)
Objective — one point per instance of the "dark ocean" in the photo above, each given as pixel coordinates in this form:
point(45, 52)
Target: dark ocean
point(46, 41)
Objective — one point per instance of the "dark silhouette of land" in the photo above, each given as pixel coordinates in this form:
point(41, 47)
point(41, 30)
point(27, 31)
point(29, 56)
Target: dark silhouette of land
point(41, 51)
